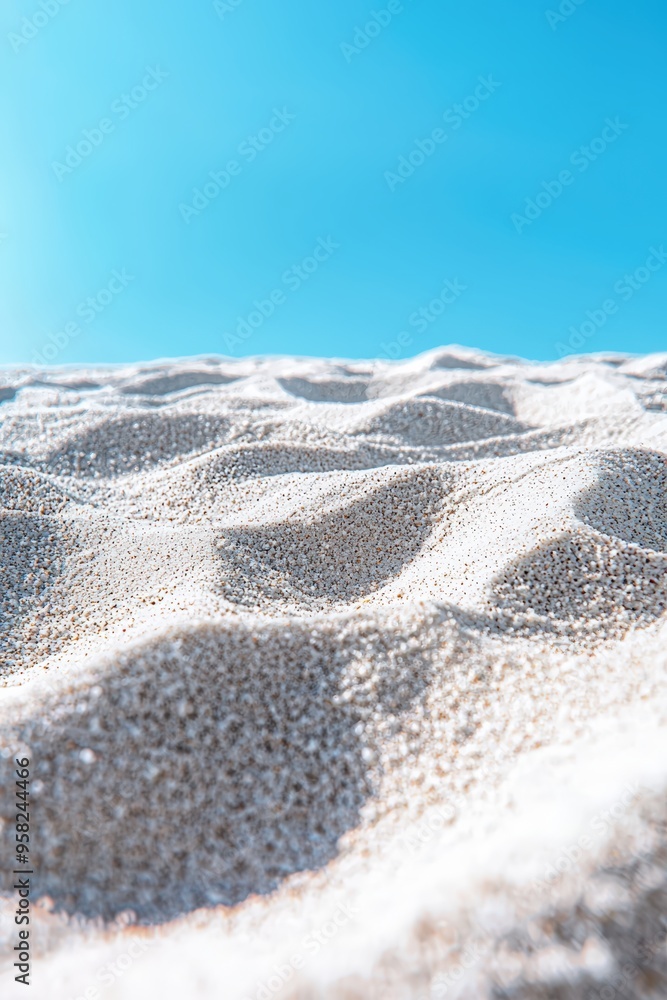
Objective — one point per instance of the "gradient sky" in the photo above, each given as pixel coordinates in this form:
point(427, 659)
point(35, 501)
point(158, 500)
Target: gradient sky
point(114, 258)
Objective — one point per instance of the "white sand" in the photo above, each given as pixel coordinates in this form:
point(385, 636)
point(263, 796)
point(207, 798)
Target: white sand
point(282, 636)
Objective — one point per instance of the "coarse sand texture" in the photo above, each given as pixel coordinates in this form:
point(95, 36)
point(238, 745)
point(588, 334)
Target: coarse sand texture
point(284, 638)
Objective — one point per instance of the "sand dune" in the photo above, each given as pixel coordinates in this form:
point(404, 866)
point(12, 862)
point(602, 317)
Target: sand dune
point(261, 620)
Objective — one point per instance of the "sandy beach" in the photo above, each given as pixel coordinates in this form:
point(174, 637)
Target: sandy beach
point(337, 679)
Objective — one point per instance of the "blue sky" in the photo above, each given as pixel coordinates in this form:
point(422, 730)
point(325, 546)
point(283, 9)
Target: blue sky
point(374, 179)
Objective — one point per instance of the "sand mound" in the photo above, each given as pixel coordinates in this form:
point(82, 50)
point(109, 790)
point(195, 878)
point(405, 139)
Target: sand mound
point(27, 491)
point(164, 385)
point(121, 445)
point(582, 582)
point(350, 390)
point(262, 460)
point(629, 501)
point(462, 359)
point(485, 394)
point(312, 563)
point(259, 618)
point(126, 749)
point(431, 421)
